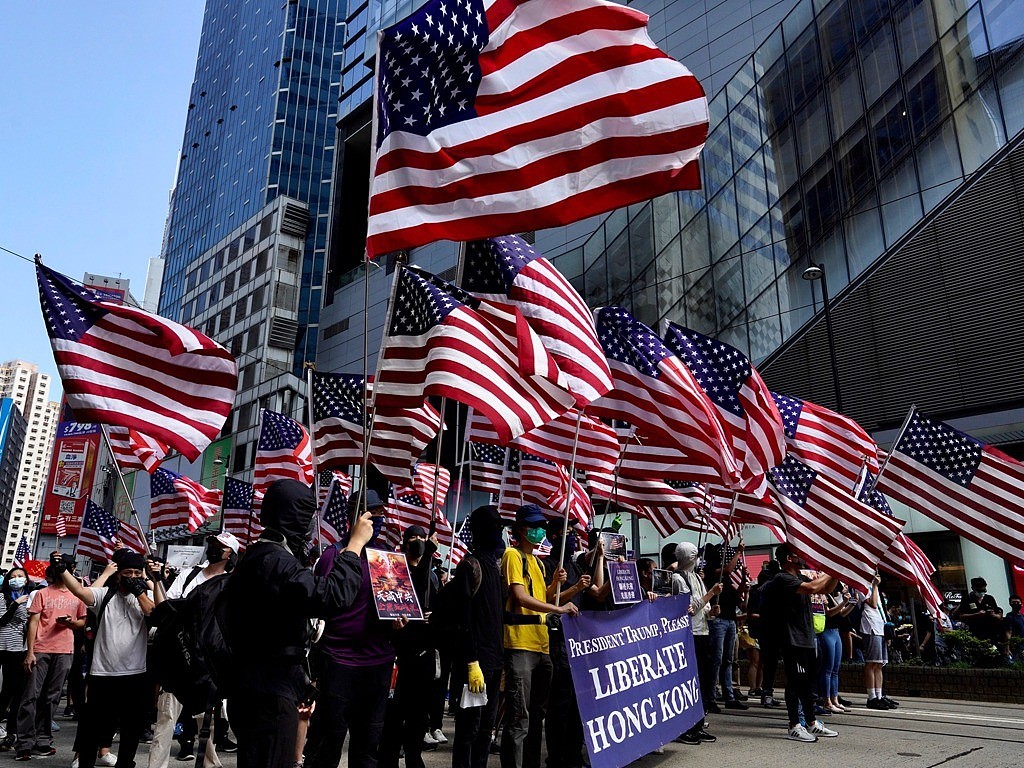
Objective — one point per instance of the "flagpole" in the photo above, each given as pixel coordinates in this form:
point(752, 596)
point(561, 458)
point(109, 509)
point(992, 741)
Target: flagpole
point(459, 465)
point(615, 477)
point(899, 436)
point(728, 537)
point(861, 477)
point(310, 368)
point(705, 518)
point(568, 498)
point(124, 487)
point(437, 467)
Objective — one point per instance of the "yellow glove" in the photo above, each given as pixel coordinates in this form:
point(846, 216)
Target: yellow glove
point(476, 678)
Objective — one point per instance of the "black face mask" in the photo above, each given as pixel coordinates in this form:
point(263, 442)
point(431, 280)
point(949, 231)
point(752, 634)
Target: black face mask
point(214, 553)
point(414, 549)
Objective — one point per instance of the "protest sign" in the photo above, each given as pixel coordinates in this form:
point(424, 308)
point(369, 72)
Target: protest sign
point(391, 584)
point(185, 555)
point(614, 545)
point(625, 583)
point(635, 675)
point(662, 581)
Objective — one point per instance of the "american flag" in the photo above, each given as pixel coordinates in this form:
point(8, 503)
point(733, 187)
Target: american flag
point(666, 507)
point(509, 269)
point(407, 507)
point(179, 500)
point(648, 460)
point(487, 463)
point(657, 393)
point(750, 510)
point(743, 401)
point(134, 450)
point(23, 553)
point(441, 341)
point(539, 479)
point(597, 448)
point(423, 482)
point(241, 516)
point(334, 514)
point(579, 507)
point(497, 117)
point(61, 526)
point(102, 533)
point(844, 537)
point(399, 437)
point(326, 477)
point(971, 488)
point(825, 440)
point(283, 451)
point(128, 368)
point(461, 543)
point(510, 495)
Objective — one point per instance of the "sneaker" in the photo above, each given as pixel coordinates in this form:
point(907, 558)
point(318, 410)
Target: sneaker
point(819, 729)
point(41, 751)
point(739, 696)
point(439, 736)
point(187, 751)
point(733, 704)
point(54, 726)
point(429, 740)
point(891, 702)
point(877, 704)
point(770, 701)
point(7, 743)
point(69, 712)
point(706, 737)
point(23, 754)
point(799, 733)
point(3, 732)
point(658, 751)
point(74, 763)
point(755, 693)
point(495, 748)
point(226, 745)
point(844, 702)
point(822, 710)
point(711, 708)
point(109, 759)
point(147, 736)
point(690, 737)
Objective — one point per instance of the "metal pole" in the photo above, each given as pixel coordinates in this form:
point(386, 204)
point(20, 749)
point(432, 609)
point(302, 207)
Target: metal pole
point(899, 436)
point(568, 499)
point(728, 528)
point(437, 466)
point(615, 478)
point(124, 487)
point(831, 339)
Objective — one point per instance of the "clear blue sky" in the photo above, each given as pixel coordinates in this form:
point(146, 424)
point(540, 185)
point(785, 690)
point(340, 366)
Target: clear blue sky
point(92, 111)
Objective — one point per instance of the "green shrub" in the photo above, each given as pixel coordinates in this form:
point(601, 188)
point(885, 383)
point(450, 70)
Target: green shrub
point(970, 650)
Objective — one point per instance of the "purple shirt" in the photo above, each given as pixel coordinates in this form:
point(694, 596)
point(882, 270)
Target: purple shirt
point(355, 637)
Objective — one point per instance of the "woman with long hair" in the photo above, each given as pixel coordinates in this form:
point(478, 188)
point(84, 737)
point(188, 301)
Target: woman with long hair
point(14, 598)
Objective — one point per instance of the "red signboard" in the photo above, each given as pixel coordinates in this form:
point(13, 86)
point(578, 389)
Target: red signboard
point(72, 470)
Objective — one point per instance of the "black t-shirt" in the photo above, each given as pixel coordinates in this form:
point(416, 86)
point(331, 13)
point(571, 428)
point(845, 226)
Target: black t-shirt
point(793, 611)
point(981, 626)
point(728, 601)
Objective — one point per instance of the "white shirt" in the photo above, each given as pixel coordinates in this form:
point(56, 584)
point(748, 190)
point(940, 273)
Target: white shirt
point(872, 621)
point(120, 645)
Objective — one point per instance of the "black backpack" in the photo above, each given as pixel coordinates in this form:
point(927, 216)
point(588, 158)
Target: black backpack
point(445, 616)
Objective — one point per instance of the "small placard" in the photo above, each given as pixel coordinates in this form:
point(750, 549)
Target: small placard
point(391, 584)
point(614, 546)
point(183, 556)
point(662, 581)
point(625, 583)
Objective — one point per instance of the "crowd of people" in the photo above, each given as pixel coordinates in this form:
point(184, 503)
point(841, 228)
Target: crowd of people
point(309, 665)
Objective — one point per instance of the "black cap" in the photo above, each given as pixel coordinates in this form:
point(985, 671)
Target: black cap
point(372, 500)
point(413, 530)
point(530, 516)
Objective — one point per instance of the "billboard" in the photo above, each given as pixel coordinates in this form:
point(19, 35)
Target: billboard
point(72, 469)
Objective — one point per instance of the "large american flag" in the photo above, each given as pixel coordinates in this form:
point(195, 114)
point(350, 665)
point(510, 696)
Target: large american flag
point(102, 533)
point(971, 488)
point(597, 448)
point(441, 341)
point(657, 393)
point(334, 522)
point(241, 514)
point(509, 269)
point(826, 440)
point(843, 536)
point(487, 463)
point(326, 478)
point(407, 507)
point(283, 451)
point(134, 450)
point(496, 116)
point(126, 367)
point(179, 500)
point(743, 401)
point(668, 508)
point(23, 553)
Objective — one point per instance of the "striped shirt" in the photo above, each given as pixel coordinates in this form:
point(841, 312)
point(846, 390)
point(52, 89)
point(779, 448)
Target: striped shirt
point(12, 633)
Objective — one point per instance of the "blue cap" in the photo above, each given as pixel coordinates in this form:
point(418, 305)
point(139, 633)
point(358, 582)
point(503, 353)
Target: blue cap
point(530, 516)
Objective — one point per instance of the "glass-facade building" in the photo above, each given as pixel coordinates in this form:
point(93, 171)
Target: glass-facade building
point(261, 124)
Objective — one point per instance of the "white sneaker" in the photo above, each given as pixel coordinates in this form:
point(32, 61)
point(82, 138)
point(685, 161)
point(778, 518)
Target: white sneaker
point(74, 763)
point(3, 732)
point(439, 736)
point(429, 739)
point(658, 751)
point(108, 759)
point(799, 733)
point(819, 729)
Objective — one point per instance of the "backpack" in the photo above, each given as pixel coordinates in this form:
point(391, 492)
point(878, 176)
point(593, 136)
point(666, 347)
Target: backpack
point(189, 655)
point(445, 618)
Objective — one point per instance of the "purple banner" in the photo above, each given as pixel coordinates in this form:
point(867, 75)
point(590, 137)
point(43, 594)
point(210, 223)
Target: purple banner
point(635, 675)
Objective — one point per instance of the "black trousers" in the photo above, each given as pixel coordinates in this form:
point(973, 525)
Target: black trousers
point(563, 728)
point(352, 699)
point(12, 665)
point(124, 700)
point(267, 727)
point(800, 667)
point(472, 742)
point(769, 665)
point(406, 719)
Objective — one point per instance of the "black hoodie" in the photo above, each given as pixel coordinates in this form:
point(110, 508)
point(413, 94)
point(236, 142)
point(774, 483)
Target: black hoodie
point(271, 596)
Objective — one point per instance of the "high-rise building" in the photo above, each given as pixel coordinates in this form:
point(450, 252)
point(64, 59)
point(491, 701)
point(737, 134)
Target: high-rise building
point(880, 139)
point(12, 443)
point(30, 391)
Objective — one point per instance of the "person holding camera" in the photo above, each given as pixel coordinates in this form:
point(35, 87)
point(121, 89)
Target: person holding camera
point(528, 666)
point(54, 614)
point(118, 690)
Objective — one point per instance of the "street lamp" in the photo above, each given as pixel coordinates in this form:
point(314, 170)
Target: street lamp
point(812, 274)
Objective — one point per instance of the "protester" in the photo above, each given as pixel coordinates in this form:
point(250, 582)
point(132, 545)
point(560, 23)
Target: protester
point(876, 655)
point(748, 644)
point(54, 614)
point(788, 593)
point(563, 729)
point(527, 662)
point(118, 690)
point(830, 648)
point(270, 598)
point(1013, 626)
point(978, 610)
point(221, 553)
point(406, 719)
point(478, 654)
point(686, 581)
point(722, 628)
point(15, 595)
point(356, 657)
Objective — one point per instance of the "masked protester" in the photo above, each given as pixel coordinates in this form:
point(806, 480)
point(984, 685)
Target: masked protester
point(356, 656)
point(15, 596)
point(270, 598)
point(221, 553)
point(118, 690)
point(527, 663)
point(407, 719)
